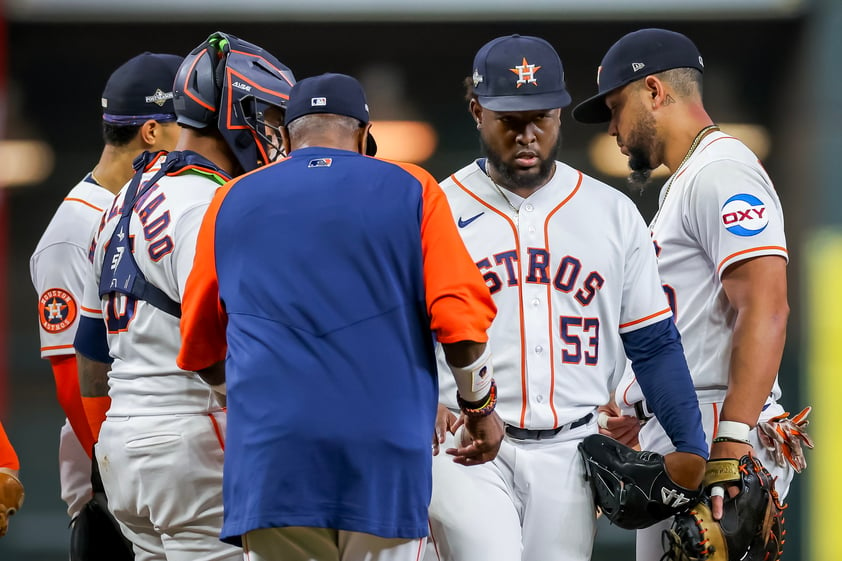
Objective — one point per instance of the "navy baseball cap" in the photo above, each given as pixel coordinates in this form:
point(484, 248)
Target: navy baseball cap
point(519, 73)
point(338, 94)
point(141, 89)
point(635, 56)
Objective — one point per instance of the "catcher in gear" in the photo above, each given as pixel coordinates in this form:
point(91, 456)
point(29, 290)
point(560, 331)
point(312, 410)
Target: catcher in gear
point(633, 489)
point(752, 524)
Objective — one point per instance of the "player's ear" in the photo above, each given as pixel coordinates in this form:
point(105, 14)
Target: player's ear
point(285, 140)
point(656, 91)
point(363, 138)
point(475, 109)
point(149, 132)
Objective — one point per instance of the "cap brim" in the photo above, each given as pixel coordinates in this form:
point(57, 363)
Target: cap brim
point(593, 110)
point(526, 102)
point(370, 146)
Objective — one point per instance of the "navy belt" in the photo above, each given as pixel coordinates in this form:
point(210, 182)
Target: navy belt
point(529, 434)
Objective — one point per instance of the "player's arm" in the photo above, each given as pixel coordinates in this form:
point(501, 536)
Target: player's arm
point(653, 345)
point(60, 268)
point(203, 317)
point(757, 291)
point(659, 364)
point(93, 358)
point(461, 311)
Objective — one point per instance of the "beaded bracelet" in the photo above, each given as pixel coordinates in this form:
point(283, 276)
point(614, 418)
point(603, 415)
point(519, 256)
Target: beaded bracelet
point(729, 439)
point(483, 410)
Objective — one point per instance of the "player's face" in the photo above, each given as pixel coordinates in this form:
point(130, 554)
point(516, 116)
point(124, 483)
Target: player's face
point(521, 145)
point(272, 120)
point(634, 127)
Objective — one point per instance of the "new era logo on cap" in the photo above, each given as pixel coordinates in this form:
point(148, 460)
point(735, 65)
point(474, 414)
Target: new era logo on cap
point(633, 57)
point(318, 102)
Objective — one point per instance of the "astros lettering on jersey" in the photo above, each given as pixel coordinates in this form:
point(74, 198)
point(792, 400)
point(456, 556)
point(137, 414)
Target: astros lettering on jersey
point(559, 275)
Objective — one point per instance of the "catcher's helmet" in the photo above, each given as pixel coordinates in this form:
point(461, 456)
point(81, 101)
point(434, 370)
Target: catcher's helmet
point(229, 83)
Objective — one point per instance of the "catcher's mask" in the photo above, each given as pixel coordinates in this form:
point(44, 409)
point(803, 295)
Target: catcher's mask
point(232, 84)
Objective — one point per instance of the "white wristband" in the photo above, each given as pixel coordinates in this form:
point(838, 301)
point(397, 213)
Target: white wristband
point(474, 380)
point(733, 430)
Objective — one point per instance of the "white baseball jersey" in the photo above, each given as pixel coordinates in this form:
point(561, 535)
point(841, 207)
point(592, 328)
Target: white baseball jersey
point(58, 267)
point(144, 340)
point(60, 264)
point(721, 209)
point(161, 418)
point(569, 272)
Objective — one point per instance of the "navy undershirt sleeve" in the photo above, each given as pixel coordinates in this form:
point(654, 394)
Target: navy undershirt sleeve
point(92, 341)
point(658, 362)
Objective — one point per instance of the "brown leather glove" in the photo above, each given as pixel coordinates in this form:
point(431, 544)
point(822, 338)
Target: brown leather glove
point(11, 497)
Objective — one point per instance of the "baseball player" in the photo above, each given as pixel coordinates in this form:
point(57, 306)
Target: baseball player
point(329, 364)
point(11, 489)
point(569, 264)
point(720, 244)
point(137, 115)
point(160, 451)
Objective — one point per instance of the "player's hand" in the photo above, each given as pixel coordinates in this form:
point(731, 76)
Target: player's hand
point(445, 422)
point(480, 440)
point(685, 468)
point(623, 428)
point(726, 450)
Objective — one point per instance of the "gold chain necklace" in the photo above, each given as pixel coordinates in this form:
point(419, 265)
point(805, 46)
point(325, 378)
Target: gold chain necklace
point(502, 194)
point(695, 144)
point(96, 180)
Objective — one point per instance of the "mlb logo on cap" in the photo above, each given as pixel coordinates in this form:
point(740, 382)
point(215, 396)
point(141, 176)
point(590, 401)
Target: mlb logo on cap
point(318, 102)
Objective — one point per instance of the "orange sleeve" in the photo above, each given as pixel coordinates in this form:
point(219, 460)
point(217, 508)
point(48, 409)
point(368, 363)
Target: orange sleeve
point(8, 457)
point(70, 398)
point(458, 300)
point(96, 409)
point(203, 318)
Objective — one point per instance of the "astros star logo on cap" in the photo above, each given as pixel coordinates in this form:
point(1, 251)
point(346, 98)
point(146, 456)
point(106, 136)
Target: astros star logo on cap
point(525, 73)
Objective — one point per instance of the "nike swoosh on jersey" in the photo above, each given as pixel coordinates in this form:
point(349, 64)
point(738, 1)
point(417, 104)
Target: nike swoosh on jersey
point(462, 223)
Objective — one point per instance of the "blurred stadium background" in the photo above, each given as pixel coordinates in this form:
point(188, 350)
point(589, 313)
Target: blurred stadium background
point(773, 77)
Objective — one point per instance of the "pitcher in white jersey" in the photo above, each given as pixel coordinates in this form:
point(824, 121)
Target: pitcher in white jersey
point(719, 240)
point(160, 450)
point(137, 115)
point(569, 264)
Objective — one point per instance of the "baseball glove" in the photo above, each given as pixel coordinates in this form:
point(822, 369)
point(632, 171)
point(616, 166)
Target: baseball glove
point(752, 524)
point(785, 439)
point(632, 489)
point(11, 498)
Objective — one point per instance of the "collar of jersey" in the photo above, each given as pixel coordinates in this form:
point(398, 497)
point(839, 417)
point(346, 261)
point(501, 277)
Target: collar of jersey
point(310, 151)
point(198, 164)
